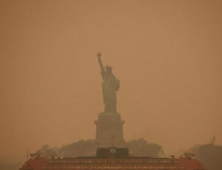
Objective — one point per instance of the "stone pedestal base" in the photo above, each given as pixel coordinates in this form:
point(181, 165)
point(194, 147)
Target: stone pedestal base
point(109, 130)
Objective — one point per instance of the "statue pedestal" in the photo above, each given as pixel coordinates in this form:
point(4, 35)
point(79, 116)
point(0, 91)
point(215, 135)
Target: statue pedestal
point(109, 130)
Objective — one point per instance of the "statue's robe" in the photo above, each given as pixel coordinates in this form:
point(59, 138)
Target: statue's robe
point(110, 86)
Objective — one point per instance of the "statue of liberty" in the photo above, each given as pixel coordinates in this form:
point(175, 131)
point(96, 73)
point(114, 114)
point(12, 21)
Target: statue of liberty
point(110, 86)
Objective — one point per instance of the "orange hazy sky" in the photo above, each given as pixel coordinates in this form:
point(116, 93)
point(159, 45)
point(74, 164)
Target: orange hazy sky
point(166, 53)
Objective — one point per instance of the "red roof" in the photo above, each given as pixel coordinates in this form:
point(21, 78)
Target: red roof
point(35, 163)
point(191, 164)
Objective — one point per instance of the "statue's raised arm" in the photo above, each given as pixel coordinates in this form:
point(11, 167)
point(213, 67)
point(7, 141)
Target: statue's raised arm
point(101, 64)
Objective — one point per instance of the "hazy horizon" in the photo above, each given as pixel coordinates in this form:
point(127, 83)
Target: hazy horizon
point(166, 54)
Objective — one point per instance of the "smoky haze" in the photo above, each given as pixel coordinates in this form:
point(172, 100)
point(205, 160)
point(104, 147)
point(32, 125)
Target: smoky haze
point(166, 54)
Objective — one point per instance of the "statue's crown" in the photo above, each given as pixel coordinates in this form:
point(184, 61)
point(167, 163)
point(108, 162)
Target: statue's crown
point(108, 67)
